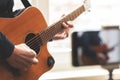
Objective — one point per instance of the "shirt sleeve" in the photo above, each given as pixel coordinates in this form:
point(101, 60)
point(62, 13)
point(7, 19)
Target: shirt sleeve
point(6, 47)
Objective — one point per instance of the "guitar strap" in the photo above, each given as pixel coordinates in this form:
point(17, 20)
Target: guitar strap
point(26, 3)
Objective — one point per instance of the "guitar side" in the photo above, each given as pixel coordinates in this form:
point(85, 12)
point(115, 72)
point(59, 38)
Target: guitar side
point(16, 29)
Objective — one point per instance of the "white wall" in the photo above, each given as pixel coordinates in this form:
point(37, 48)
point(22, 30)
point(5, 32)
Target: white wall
point(43, 5)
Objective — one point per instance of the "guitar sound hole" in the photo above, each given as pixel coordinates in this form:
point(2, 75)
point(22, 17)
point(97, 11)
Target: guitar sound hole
point(32, 42)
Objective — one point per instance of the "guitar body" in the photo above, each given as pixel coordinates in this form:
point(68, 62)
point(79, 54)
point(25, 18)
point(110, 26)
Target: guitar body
point(16, 29)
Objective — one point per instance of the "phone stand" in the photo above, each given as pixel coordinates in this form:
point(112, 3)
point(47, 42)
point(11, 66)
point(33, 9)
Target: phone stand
point(110, 68)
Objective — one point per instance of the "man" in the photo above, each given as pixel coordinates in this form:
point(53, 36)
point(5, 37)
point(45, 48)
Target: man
point(93, 50)
point(21, 56)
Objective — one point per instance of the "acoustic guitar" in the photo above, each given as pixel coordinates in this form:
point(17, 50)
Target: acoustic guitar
point(30, 27)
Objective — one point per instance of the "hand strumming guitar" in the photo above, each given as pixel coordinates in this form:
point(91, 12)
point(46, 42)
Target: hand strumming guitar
point(22, 57)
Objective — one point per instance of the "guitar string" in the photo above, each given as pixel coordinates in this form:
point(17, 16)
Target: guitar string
point(43, 36)
point(34, 46)
point(36, 38)
point(77, 11)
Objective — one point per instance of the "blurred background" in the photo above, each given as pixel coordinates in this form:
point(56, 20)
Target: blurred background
point(101, 14)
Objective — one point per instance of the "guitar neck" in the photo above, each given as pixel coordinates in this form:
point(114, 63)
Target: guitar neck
point(74, 14)
point(48, 33)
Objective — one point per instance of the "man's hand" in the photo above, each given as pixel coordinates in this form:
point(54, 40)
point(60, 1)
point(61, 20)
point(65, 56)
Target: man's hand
point(102, 58)
point(22, 57)
point(65, 32)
